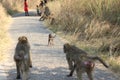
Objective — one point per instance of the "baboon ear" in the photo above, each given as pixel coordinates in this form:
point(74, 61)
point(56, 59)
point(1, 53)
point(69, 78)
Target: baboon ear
point(19, 39)
point(67, 45)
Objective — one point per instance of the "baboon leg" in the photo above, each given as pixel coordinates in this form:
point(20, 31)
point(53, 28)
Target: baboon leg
point(90, 75)
point(18, 71)
point(70, 63)
point(79, 74)
point(30, 61)
point(24, 76)
point(52, 42)
point(72, 71)
point(48, 41)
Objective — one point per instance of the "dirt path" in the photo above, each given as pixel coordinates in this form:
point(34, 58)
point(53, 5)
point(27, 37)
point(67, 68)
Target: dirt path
point(49, 63)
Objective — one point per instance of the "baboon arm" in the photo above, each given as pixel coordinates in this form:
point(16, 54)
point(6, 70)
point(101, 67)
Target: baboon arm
point(70, 63)
point(72, 71)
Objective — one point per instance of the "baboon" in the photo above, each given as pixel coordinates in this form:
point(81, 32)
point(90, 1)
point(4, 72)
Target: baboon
point(23, 65)
point(72, 54)
point(85, 65)
point(22, 56)
point(45, 13)
point(51, 19)
point(51, 39)
point(80, 61)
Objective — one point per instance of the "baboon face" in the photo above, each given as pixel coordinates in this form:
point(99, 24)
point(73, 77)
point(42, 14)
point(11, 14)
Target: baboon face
point(50, 36)
point(23, 39)
point(66, 47)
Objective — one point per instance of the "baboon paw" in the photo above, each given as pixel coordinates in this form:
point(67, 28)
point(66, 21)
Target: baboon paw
point(18, 77)
point(30, 66)
point(69, 75)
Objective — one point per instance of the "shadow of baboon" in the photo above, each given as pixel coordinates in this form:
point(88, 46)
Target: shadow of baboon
point(59, 73)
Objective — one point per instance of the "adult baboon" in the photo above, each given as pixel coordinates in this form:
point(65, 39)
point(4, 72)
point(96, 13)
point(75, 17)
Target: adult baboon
point(51, 39)
point(45, 13)
point(72, 54)
point(85, 65)
point(22, 55)
point(80, 61)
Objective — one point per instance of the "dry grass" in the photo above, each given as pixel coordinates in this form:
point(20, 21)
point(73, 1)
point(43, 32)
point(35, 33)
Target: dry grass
point(18, 5)
point(90, 24)
point(4, 39)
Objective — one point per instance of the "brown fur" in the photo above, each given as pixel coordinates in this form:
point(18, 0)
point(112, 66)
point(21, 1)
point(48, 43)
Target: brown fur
point(45, 13)
point(72, 54)
point(50, 39)
point(80, 61)
point(22, 57)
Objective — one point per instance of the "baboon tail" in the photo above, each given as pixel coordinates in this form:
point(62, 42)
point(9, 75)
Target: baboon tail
point(99, 59)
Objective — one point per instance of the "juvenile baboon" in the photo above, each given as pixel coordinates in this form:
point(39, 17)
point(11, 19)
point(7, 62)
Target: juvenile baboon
point(51, 39)
point(22, 55)
point(80, 61)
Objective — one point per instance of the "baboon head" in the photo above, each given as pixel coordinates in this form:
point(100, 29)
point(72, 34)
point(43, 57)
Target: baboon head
point(50, 35)
point(66, 47)
point(22, 39)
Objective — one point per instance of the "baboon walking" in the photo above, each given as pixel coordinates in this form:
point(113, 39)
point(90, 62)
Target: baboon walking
point(22, 56)
point(80, 61)
point(86, 65)
point(72, 54)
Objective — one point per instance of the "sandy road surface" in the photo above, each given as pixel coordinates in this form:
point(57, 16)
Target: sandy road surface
point(49, 63)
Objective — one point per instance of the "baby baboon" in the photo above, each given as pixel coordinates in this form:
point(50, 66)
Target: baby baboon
point(51, 39)
point(22, 54)
point(80, 61)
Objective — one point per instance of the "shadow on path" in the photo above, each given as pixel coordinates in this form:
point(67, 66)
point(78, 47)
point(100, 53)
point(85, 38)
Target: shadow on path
point(44, 73)
point(21, 14)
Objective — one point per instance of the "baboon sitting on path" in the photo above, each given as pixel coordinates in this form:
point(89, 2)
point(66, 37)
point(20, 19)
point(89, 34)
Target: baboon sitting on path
point(22, 57)
point(51, 39)
point(80, 61)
